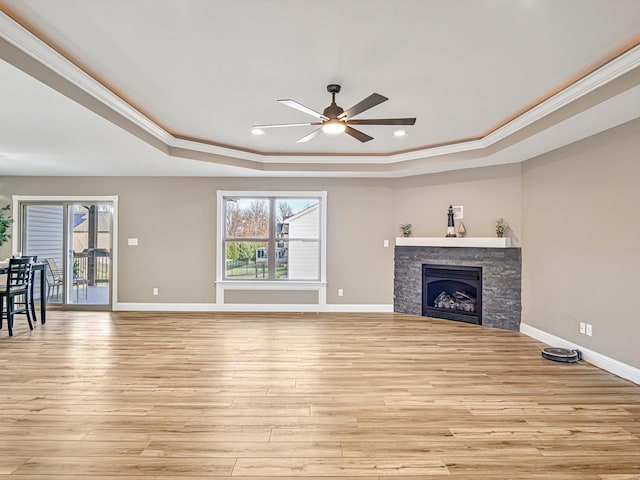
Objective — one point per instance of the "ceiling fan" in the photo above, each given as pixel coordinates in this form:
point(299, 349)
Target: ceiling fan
point(335, 119)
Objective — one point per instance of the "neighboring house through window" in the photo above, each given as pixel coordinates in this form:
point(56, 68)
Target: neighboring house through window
point(272, 236)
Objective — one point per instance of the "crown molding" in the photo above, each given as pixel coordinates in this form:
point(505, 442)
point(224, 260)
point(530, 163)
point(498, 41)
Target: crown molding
point(24, 40)
point(212, 149)
point(31, 45)
point(610, 71)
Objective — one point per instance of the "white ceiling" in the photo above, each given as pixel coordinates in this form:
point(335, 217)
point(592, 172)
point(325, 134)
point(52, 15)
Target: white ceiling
point(210, 70)
point(44, 133)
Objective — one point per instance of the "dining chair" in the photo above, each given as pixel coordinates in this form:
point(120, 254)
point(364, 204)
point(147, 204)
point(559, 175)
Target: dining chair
point(55, 280)
point(19, 281)
point(54, 277)
point(30, 296)
point(79, 277)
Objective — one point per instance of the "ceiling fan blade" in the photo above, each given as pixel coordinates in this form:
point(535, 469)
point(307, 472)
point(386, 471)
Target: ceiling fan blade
point(383, 121)
point(302, 108)
point(363, 137)
point(278, 125)
point(369, 102)
point(313, 134)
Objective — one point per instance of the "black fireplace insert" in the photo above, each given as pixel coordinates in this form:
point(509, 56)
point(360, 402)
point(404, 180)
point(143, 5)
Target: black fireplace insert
point(452, 292)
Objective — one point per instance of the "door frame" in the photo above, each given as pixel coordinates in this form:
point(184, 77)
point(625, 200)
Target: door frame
point(18, 222)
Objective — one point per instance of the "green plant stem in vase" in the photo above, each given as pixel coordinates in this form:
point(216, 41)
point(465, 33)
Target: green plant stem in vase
point(405, 228)
point(501, 226)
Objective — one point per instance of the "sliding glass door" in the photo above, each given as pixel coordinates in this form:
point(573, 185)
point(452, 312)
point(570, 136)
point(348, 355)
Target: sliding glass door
point(89, 253)
point(76, 241)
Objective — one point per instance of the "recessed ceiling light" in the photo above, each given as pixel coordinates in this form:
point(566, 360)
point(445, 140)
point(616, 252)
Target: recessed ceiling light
point(399, 133)
point(257, 131)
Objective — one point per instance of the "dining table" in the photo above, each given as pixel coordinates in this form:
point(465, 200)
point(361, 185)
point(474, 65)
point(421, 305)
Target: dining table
point(41, 268)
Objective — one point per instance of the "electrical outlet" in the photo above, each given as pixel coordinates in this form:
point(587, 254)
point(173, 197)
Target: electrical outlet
point(340, 292)
point(583, 328)
point(386, 243)
point(155, 290)
point(589, 329)
point(132, 242)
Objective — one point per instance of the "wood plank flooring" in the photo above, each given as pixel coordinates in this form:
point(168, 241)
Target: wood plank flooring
point(97, 395)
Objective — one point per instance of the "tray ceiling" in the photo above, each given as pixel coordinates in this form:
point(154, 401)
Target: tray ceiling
point(205, 72)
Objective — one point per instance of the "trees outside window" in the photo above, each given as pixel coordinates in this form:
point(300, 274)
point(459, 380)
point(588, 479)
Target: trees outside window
point(272, 238)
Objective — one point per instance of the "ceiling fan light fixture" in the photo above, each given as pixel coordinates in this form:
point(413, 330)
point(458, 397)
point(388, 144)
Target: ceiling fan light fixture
point(335, 120)
point(334, 127)
point(257, 131)
point(399, 133)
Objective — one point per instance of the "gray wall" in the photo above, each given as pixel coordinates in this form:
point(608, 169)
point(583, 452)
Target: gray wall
point(485, 193)
point(175, 222)
point(581, 242)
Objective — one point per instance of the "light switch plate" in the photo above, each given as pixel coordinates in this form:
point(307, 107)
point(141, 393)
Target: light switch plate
point(386, 243)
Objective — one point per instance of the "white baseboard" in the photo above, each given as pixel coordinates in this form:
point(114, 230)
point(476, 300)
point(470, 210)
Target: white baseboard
point(247, 307)
point(606, 363)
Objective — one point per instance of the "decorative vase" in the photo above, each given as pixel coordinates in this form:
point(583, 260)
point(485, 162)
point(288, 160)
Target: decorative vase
point(500, 235)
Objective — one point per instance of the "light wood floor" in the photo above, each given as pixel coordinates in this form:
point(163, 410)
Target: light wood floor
point(185, 396)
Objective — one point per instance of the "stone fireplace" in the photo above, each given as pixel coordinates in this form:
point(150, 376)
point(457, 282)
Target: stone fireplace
point(498, 272)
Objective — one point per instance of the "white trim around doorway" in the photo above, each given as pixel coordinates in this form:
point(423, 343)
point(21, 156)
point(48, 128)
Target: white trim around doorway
point(16, 199)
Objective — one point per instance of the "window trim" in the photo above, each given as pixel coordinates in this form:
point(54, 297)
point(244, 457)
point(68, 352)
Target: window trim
point(223, 284)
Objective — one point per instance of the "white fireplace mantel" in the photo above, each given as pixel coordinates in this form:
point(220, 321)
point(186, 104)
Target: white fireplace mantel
point(483, 242)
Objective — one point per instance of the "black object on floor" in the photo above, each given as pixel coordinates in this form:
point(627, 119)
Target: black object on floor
point(561, 354)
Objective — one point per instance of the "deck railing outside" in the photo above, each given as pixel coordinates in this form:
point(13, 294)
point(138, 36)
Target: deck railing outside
point(94, 265)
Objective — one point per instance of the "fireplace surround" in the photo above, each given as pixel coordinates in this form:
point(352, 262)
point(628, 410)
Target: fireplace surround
point(501, 279)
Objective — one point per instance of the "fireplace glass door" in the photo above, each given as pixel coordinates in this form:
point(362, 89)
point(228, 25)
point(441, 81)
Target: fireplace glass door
point(452, 292)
